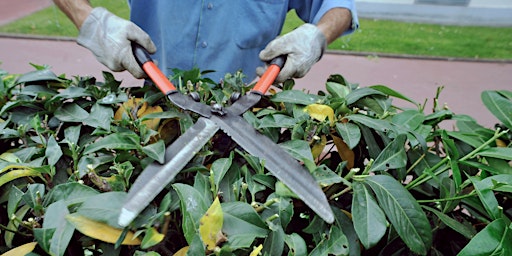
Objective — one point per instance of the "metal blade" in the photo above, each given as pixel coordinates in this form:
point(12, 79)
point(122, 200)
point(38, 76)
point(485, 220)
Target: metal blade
point(187, 103)
point(156, 176)
point(278, 162)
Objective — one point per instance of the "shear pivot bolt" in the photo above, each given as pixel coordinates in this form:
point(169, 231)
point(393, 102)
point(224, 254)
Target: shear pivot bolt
point(235, 96)
point(195, 96)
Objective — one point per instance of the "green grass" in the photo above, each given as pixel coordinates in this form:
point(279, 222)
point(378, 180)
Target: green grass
point(374, 36)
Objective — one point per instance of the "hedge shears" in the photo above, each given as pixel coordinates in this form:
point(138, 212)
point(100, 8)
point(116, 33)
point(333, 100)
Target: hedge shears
point(284, 167)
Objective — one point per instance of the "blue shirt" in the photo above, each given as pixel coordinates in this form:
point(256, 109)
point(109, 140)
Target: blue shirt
point(221, 35)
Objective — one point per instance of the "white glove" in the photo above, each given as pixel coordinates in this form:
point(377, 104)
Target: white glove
point(303, 47)
point(109, 38)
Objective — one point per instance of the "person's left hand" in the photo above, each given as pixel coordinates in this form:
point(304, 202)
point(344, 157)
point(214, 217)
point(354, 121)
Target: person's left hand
point(303, 47)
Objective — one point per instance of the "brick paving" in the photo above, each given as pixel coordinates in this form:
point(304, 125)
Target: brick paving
point(417, 78)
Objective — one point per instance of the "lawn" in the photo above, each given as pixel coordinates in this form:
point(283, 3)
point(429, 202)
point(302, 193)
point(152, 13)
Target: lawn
point(374, 36)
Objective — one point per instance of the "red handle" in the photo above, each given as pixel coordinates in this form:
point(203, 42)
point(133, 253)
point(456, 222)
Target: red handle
point(268, 78)
point(146, 63)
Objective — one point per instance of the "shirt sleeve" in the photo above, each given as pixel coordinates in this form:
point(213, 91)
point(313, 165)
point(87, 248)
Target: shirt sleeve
point(311, 11)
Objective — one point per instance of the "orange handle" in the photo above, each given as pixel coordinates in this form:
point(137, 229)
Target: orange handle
point(146, 63)
point(158, 77)
point(268, 78)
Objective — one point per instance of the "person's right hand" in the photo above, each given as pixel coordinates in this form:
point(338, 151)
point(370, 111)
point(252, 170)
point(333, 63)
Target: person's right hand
point(109, 38)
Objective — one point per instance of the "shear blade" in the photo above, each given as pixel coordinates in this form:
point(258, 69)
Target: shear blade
point(278, 162)
point(156, 176)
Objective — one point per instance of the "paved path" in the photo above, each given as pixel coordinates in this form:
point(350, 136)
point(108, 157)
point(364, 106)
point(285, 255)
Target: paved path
point(416, 78)
point(11, 10)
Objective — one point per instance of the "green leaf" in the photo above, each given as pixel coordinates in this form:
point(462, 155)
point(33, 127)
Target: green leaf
point(192, 206)
point(242, 224)
point(487, 197)
point(71, 193)
point(325, 176)
point(277, 121)
point(13, 224)
point(96, 208)
point(296, 97)
point(403, 212)
point(360, 93)
point(43, 237)
point(71, 113)
point(494, 239)
point(300, 150)
point(350, 133)
point(33, 195)
point(335, 244)
point(100, 117)
point(393, 156)
point(337, 90)
point(72, 134)
point(501, 153)
point(296, 244)
point(466, 231)
point(376, 124)
point(345, 223)
point(410, 119)
point(53, 151)
point(369, 219)
point(274, 243)
point(219, 168)
point(73, 92)
point(123, 141)
point(156, 151)
point(55, 217)
point(386, 90)
point(38, 75)
point(15, 195)
point(499, 105)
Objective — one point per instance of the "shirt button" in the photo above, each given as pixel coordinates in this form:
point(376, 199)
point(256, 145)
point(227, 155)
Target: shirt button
point(210, 6)
point(204, 44)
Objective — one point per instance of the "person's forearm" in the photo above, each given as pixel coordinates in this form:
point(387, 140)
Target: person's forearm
point(76, 10)
point(334, 22)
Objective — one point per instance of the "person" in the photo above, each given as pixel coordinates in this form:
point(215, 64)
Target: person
point(219, 35)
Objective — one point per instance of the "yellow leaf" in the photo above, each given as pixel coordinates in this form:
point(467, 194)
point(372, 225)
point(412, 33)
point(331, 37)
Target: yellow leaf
point(100, 231)
point(210, 225)
point(256, 251)
point(320, 112)
point(182, 252)
point(500, 143)
point(151, 238)
point(318, 147)
point(17, 172)
point(151, 123)
point(127, 106)
point(21, 250)
point(344, 151)
point(10, 157)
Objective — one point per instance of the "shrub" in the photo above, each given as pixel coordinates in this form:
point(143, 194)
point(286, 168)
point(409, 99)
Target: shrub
point(397, 182)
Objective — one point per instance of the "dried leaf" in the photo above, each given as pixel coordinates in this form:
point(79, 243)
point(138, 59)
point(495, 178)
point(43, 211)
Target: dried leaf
point(318, 146)
point(210, 225)
point(21, 250)
point(344, 151)
point(101, 231)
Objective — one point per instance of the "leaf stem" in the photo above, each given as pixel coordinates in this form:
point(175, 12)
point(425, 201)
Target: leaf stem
point(448, 199)
point(424, 177)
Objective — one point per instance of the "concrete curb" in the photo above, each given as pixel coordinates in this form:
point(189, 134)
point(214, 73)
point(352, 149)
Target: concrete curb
point(336, 52)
